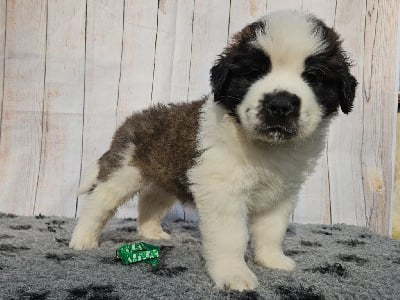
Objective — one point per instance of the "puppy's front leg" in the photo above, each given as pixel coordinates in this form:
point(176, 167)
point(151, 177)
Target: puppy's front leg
point(223, 225)
point(268, 229)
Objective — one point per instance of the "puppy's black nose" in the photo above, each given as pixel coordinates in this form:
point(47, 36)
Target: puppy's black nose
point(281, 103)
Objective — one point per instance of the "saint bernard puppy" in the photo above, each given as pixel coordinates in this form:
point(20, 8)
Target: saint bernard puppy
point(240, 154)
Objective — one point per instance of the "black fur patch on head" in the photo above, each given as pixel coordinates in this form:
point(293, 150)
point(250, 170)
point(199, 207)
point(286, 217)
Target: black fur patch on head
point(328, 72)
point(238, 67)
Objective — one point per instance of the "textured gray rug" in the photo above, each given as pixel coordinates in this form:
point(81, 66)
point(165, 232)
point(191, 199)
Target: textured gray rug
point(333, 262)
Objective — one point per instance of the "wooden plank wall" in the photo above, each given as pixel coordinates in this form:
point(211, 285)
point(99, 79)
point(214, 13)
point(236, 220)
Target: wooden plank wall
point(71, 71)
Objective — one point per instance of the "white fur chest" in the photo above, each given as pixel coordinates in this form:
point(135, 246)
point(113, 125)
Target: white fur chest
point(257, 173)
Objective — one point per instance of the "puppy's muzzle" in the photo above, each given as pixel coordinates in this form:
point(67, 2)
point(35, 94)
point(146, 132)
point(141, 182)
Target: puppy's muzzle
point(279, 112)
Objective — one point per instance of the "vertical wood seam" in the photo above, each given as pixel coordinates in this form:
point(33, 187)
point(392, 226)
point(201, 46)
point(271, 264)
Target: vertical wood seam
point(189, 71)
point(4, 70)
point(83, 108)
point(43, 108)
point(120, 62)
point(364, 94)
point(327, 145)
point(191, 52)
point(229, 21)
point(154, 58)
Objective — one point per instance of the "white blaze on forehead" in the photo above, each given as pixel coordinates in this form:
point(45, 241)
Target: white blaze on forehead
point(289, 38)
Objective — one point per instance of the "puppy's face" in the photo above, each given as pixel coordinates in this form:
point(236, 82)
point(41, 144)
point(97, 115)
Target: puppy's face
point(282, 75)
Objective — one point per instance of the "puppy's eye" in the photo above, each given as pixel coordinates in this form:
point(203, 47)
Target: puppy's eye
point(313, 78)
point(253, 72)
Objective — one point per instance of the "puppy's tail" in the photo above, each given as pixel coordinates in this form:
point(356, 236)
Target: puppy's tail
point(89, 180)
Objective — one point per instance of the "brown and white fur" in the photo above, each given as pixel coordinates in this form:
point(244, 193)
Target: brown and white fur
point(240, 154)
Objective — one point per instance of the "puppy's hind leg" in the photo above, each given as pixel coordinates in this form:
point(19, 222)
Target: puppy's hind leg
point(102, 204)
point(154, 203)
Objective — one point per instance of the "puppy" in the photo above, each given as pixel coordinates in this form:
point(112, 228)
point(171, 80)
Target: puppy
point(240, 154)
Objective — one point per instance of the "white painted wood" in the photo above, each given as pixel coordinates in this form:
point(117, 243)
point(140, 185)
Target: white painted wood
point(244, 12)
point(103, 58)
point(137, 65)
point(314, 200)
point(274, 5)
point(380, 111)
point(3, 10)
point(345, 142)
point(210, 34)
point(21, 127)
point(63, 109)
point(173, 51)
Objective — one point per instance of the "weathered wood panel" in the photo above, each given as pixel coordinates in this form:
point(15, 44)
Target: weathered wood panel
point(379, 95)
point(173, 51)
point(61, 148)
point(103, 57)
point(210, 35)
point(274, 5)
point(3, 12)
point(243, 12)
point(137, 67)
point(21, 124)
point(345, 143)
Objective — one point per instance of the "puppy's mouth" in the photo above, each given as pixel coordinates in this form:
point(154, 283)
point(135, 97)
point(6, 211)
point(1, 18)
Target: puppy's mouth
point(277, 132)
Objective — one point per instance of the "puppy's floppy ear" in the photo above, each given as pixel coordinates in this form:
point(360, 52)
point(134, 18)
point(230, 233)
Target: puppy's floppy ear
point(348, 92)
point(218, 77)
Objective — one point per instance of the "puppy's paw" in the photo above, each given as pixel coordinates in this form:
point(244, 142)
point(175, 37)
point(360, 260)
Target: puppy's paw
point(234, 277)
point(79, 242)
point(153, 233)
point(276, 261)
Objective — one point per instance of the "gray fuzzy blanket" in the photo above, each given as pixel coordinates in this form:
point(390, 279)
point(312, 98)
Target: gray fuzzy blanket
point(333, 262)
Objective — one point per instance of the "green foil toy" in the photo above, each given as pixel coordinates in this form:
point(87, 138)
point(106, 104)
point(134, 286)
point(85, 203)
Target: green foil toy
point(139, 252)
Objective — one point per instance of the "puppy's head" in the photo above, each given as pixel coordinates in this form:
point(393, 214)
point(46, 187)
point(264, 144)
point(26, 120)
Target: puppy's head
point(282, 75)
